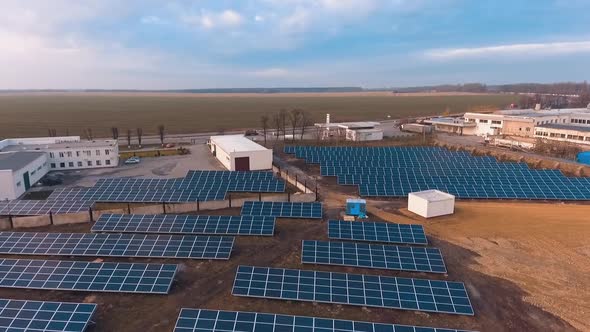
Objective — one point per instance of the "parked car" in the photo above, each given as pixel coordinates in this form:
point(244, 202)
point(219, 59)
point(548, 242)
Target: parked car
point(251, 133)
point(132, 161)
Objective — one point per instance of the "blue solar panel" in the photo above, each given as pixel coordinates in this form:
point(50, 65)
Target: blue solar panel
point(283, 209)
point(377, 232)
point(353, 289)
point(116, 245)
point(86, 276)
point(41, 207)
point(398, 171)
point(185, 224)
point(374, 256)
point(42, 316)
point(202, 320)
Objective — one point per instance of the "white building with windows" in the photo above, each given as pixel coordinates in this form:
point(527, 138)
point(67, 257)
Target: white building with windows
point(68, 152)
point(351, 131)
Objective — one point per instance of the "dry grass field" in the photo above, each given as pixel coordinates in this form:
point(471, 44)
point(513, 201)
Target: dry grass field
point(33, 114)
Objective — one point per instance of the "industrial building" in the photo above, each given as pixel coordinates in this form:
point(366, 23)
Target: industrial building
point(431, 203)
point(238, 153)
point(452, 125)
point(68, 152)
point(564, 133)
point(351, 131)
point(19, 171)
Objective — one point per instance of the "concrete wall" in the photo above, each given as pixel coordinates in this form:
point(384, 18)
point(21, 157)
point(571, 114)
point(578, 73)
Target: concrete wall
point(293, 180)
point(222, 156)
point(518, 128)
point(7, 187)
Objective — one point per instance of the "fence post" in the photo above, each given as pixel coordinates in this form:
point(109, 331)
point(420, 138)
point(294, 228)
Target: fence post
point(51, 217)
point(90, 213)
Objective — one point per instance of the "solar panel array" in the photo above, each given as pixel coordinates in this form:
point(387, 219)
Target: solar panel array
point(40, 207)
point(201, 320)
point(377, 232)
point(86, 276)
point(311, 210)
point(353, 289)
point(196, 186)
point(398, 171)
point(41, 316)
point(185, 224)
point(116, 245)
point(374, 256)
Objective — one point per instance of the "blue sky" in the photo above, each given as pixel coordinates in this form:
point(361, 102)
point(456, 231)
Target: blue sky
point(118, 44)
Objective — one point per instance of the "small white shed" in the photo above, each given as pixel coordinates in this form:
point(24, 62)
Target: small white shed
point(238, 153)
point(431, 203)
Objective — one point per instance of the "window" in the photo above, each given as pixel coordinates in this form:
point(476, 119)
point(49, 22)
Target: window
point(79, 164)
point(18, 184)
point(33, 173)
point(70, 154)
point(52, 165)
point(71, 164)
point(77, 153)
point(89, 162)
point(107, 162)
point(107, 152)
point(496, 122)
point(528, 129)
point(98, 163)
point(39, 168)
point(61, 155)
point(62, 165)
point(483, 121)
point(98, 152)
point(87, 153)
point(51, 155)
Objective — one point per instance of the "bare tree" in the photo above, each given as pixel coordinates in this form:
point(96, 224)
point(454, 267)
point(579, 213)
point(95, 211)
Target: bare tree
point(115, 132)
point(294, 118)
point(162, 133)
point(283, 122)
point(264, 122)
point(129, 138)
point(305, 121)
point(277, 122)
point(139, 132)
point(52, 132)
point(88, 134)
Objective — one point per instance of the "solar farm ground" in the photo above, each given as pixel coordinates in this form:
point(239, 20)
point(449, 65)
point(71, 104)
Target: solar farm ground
point(499, 303)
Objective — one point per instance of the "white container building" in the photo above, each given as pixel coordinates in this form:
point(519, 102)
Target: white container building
point(431, 203)
point(19, 171)
point(238, 153)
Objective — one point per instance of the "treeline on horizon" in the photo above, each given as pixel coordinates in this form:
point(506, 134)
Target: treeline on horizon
point(561, 88)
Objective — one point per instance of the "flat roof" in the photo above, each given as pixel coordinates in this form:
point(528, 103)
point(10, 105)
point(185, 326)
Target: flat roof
point(433, 195)
point(16, 160)
point(457, 122)
point(236, 143)
point(349, 125)
point(64, 145)
point(564, 127)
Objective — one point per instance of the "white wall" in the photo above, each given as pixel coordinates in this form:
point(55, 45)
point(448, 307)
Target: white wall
point(259, 160)
point(223, 157)
point(78, 157)
point(7, 190)
point(12, 183)
point(426, 209)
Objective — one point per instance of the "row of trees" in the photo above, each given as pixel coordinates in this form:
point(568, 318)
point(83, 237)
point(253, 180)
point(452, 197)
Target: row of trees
point(295, 118)
point(87, 132)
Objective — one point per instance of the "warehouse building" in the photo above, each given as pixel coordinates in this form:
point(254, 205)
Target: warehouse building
point(564, 133)
point(69, 152)
point(238, 153)
point(19, 171)
point(452, 125)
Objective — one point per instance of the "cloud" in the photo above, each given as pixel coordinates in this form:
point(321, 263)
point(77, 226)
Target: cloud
point(152, 20)
point(532, 49)
point(209, 20)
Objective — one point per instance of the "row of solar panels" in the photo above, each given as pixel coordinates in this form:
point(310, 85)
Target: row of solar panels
point(21, 316)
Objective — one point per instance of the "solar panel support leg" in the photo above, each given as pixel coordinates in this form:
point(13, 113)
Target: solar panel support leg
point(305, 186)
point(198, 205)
point(128, 208)
point(164, 207)
point(316, 192)
point(229, 197)
point(260, 197)
point(288, 196)
point(51, 217)
point(11, 222)
point(90, 213)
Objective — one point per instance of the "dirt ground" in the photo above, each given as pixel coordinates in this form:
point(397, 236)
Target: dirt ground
point(509, 265)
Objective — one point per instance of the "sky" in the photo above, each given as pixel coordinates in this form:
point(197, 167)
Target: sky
point(157, 44)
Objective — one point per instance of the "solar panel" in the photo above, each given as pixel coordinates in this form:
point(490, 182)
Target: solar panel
point(86, 276)
point(203, 320)
point(185, 224)
point(116, 245)
point(24, 315)
point(353, 289)
point(311, 210)
point(40, 207)
point(377, 232)
point(374, 256)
